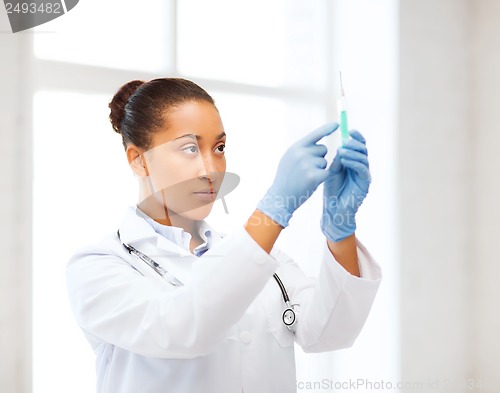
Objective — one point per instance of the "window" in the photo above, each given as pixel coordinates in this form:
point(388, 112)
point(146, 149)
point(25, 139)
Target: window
point(267, 43)
point(115, 34)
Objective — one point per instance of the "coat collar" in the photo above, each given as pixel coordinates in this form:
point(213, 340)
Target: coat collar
point(135, 229)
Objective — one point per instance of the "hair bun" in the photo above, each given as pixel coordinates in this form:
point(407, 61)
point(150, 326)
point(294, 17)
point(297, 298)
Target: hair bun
point(120, 99)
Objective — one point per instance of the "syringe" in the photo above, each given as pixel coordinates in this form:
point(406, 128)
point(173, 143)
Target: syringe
point(342, 108)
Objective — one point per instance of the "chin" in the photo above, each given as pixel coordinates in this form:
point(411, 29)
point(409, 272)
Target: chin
point(199, 213)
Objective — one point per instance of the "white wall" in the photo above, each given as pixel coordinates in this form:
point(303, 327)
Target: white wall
point(484, 131)
point(15, 214)
point(434, 192)
point(449, 185)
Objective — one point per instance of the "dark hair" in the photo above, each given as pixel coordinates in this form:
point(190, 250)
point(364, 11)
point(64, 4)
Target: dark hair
point(138, 108)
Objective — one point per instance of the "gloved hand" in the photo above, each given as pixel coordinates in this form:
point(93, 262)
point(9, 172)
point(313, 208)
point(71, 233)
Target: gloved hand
point(345, 188)
point(300, 171)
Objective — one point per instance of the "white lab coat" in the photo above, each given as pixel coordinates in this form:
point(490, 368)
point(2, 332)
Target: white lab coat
point(220, 332)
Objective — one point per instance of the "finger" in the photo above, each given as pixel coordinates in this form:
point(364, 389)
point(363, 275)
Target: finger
point(336, 165)
point(319, 150)
point(359, 168)
point(319, 162)
point(318, 133)
point(354, 155)
point(323, 176)
point(356, 145)
point(355, 134)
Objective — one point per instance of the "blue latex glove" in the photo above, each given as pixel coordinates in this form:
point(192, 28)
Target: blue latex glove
point(345, 188)
point(300, 171)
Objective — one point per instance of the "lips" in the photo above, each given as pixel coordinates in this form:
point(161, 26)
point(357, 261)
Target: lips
point(207, 191)
point(207, 195)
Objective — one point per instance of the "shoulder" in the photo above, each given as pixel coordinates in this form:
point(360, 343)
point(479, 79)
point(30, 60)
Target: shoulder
point(108, 248)
point(107, 245)
point(132, 226)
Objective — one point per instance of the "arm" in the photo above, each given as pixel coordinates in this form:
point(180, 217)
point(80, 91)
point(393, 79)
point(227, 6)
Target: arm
point(344, 190)
point(335, 307)
point(346, 254)
point(336, 310)
point(263, 230)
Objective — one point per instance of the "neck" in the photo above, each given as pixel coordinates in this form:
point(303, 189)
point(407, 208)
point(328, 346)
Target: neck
point(190, 226)
point(164, 216)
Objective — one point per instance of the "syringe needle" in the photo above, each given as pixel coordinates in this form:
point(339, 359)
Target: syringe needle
point(341, 86)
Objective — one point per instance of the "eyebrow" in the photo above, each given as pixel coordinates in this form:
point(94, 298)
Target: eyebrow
point(197, 137)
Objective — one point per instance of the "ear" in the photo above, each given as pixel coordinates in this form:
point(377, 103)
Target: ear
point(136, 160)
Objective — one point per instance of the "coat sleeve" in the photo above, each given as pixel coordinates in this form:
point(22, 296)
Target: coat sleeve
point(114, 303)
point(334, 306)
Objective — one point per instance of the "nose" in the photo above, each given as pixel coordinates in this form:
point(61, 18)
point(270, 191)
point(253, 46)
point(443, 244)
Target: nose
point(208, 169)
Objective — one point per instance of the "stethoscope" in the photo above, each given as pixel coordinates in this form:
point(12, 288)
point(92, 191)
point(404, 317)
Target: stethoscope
point(289, 316)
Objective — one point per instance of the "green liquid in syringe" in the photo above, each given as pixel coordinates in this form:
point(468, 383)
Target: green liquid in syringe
point(344, 130)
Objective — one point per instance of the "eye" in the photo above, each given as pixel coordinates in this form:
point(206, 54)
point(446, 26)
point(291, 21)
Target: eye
point(221, 148)
point(192, 149)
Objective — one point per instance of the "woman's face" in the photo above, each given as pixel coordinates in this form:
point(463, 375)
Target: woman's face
point(186, 162)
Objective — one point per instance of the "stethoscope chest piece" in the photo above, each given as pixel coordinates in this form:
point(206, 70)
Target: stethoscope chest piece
point(289, 316)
